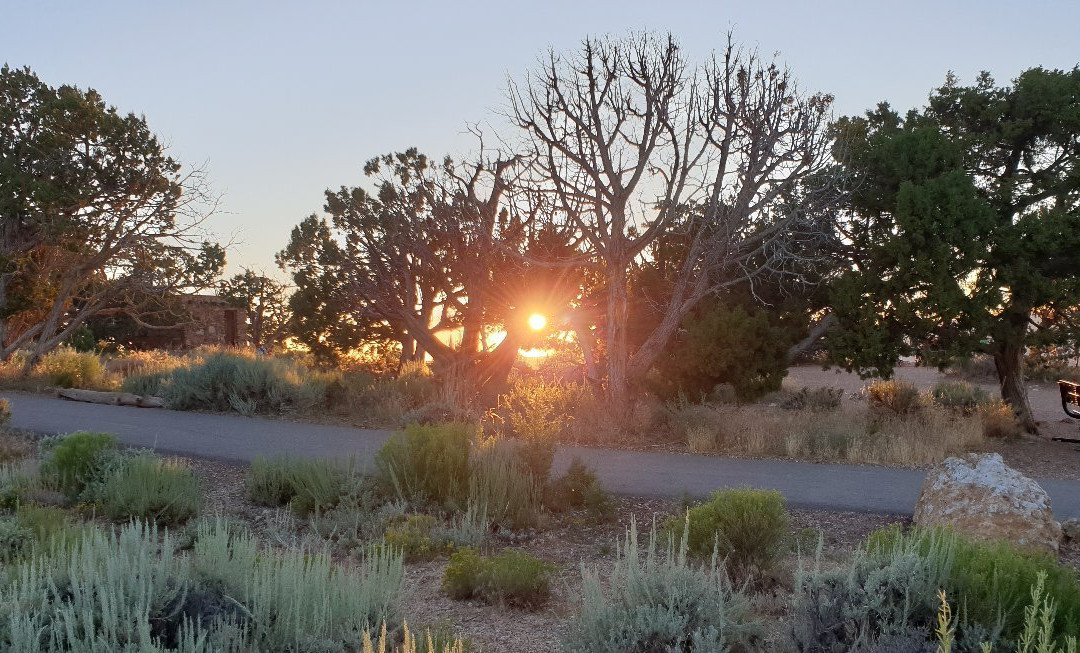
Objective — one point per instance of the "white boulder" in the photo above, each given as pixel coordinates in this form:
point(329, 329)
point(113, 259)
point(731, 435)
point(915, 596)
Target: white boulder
point(978, 495)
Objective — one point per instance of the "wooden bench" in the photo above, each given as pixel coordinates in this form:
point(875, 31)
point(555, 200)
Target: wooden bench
point(1070, 403)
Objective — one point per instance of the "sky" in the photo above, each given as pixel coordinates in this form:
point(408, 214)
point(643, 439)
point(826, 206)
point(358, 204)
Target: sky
point(279, 101)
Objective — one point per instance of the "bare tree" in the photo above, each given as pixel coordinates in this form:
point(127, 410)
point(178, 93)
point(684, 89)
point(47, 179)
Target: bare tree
point(634, 145)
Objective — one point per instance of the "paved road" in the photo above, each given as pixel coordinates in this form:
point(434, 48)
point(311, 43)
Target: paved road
point(235, 438)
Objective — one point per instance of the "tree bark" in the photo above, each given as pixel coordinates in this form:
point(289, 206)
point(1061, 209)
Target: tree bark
point(817, 332)
point(617, 354)
point(1009, 361)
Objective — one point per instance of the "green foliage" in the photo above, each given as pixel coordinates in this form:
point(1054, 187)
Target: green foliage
point(74, 461)
point(748, 528)
point(15, 539)
point(50, 525)
point(461, 580)
point(959, 395)
point(264, 302)
point(247, 384)
point(149, 488)
point(882, 596)
point(516, 579)
point(509, 494)
point(309, 485)
point(894, 397)
point(130, 590)
point(889, 589)
point(959, 247)
point(660, 601)
point(512, 578)
point(428, 463)
point(413, 537)
point(68, 368)
point(16, 480)
point(568, 491)
point(725, 342)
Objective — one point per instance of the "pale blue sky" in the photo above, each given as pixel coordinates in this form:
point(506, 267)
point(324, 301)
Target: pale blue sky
point(282, 100)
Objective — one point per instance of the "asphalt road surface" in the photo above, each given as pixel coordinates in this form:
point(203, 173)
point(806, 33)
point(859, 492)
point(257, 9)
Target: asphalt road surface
point(860, 488)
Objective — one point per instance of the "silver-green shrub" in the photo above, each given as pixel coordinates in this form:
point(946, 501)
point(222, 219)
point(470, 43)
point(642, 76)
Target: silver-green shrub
point(660, 602)
point(884, 595)
point(148, 487)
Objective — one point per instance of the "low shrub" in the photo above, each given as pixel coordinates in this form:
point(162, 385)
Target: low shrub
point(17, 479)
point(230, 381)
point(510, 495)
point(747, 527)
point(537, 413)
point(428, 463)
point(598, 503)
point(16, 541)
point(658, 600)
point(66, 368)
point(512, 578)
point(894, 397)
point(72, 462)
point(883, 597)
point(813, 399)
point(999, 420)
point(308, 485)
point(130, 590)
point(461, 579)
point(1038, 630)
point(413, 536)
point(888, 590)
point(5, 413)
point(958, 395)
point(147, 487)
point(439, 641)
point(568, 491)
point(50, 525)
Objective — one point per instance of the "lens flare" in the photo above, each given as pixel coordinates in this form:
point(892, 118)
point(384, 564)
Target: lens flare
point(537, 321)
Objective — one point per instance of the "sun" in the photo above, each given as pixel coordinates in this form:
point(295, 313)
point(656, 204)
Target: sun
point(537, 321)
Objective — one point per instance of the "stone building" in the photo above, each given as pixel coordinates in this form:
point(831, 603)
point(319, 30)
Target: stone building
point(213, 322)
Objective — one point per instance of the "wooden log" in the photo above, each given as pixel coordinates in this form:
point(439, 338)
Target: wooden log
point(112, 398)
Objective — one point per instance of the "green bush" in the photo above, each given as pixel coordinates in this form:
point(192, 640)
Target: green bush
point(894, 397)
point(890, 590)
point(512, 578)
point(307, 485)
point(748, 528)
point(725, 342)
point(992, 581)
point(658, 600)
point(227, 381)
point(147, 487)
point(958, 395)
point(413, 537)
point(461, 580)
point(885, 597)
point(66, 368)
point(72, 462)
point(509, 494)
point(428, 463)
point(16, 480)
point(568, 491)
point(16, 541)
point(50, 525)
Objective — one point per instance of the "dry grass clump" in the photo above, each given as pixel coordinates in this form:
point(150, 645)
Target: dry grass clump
point(998, 420)
point(849, 434)
point(893, 396)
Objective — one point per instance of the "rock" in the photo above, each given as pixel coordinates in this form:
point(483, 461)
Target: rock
point(981, 497)
point(1070, 529)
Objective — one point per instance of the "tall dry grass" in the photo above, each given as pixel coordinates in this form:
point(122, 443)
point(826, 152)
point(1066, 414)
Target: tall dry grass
point(849, 434)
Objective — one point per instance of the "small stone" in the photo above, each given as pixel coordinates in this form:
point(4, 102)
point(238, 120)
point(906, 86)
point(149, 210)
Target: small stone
point(1070, 529)
point(981, 497)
